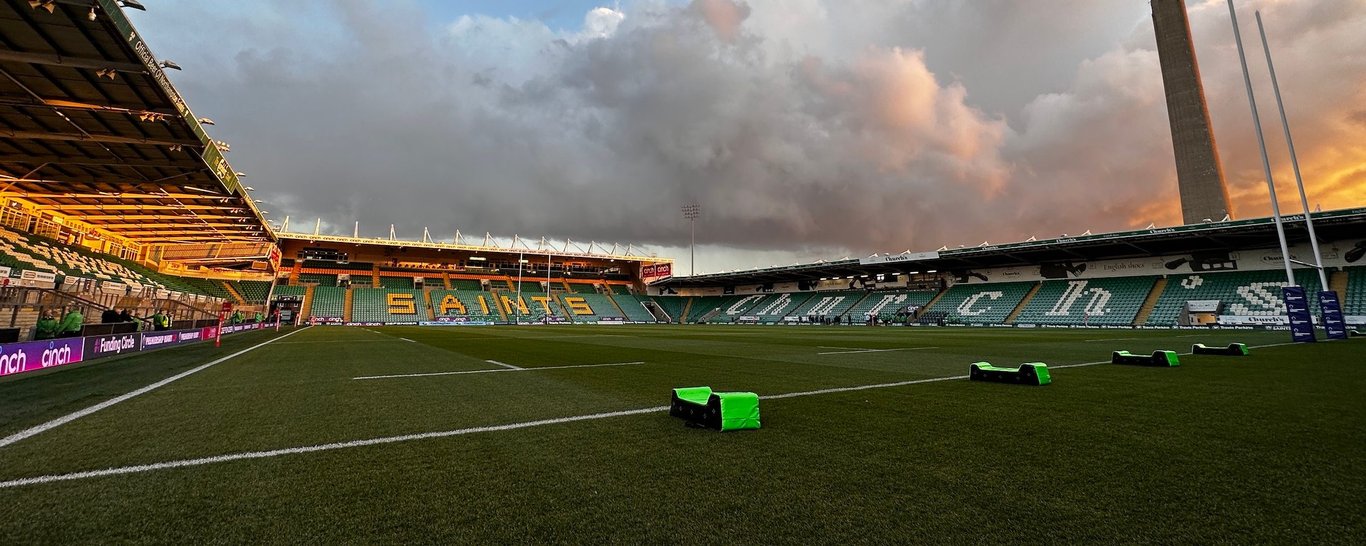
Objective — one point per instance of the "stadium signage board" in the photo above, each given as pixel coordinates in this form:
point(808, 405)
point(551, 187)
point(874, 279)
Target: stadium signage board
point(37, 355)
point(98, 346)
point(1334, 325)
point(899, 258)
point(653, 271)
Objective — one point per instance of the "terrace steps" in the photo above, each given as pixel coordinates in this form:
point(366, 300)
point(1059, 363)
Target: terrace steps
point(1151, 301)
point(346, 304)
point(931, 303)
point(427, 300)
point(1010, 319)
point(1337, 282)
point(233, 292)
point(306, 309)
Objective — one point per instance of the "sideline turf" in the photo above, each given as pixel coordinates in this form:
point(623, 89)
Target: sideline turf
point(1263, 448)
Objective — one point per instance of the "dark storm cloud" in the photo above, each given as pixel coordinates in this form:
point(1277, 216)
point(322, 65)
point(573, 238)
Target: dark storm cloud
point(796, 125)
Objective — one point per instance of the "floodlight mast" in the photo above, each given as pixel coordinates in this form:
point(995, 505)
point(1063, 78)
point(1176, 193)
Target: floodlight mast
point(691, 212)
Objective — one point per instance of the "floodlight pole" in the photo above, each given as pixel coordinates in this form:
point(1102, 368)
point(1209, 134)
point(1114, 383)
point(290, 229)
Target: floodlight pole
point(516, 304)
point(1294, 159)
point(691, 212)
point(1261, 143)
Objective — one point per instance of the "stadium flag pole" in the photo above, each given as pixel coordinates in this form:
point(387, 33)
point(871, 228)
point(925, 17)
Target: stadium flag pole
point(1294, 159)
point(1261, 144)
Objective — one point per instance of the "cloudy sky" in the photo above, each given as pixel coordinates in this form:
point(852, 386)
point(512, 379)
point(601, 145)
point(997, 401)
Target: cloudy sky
point(805, 129)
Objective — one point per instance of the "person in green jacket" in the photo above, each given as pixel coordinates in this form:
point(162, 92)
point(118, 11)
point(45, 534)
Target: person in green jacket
point(160, 321)
point(71, 324)
point(47, 326)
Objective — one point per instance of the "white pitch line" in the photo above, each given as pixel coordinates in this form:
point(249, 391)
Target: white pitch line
point(149, 388)
point(408, 340)
point(51, 478)
point(466, 372)
point(1113, 339)
point(871, 350)
point(508, 366)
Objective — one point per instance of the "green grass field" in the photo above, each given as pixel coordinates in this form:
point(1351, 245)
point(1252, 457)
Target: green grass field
point(1266, 448)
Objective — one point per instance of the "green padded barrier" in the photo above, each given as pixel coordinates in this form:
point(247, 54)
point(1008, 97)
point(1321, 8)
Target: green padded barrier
point(1158, 358)
point(1233, 349)
point(1029, 373)
point(716, 410)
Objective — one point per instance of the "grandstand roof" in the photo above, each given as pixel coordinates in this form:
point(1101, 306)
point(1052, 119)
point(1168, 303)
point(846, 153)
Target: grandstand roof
point(567, 249)
point(1241, 234)
point(91, 128)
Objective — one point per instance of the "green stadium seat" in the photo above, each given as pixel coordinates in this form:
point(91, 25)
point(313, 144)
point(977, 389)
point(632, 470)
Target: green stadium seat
point(1245, 293)
point(1107, 301)
point(981, 303)
point(884, 303)
point(387, 305)
point(328, 302)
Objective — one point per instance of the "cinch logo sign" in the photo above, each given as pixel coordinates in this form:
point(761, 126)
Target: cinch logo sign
point(36, 355)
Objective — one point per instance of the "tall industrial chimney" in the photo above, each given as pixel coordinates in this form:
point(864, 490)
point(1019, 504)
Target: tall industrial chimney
point(1204, 195)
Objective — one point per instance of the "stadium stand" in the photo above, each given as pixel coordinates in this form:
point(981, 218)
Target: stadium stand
point(582, 307)
point(1241, 293)
point(886, 303)
point(28, 251)
point(634, 307)
point(621, 289)
point(1109, 301)
point(673, 306)
point(829, 304)
point(981, 303)
point(387, 305)
point(734, 307)
point(774, 309)
point(704, 305)
point(329, 302)
point(582, 288)
point(464, 303)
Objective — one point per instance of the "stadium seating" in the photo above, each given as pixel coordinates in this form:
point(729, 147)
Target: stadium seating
point(285, 290)
point(886, 303)
point(387, 305)
point(464, 303)
point(582, 288)
point(774, 309)
point(400, 283)
point(589, 307)
point(829, 304)
point(734, 307)
point(468, 285)
point(634, 307)
point(620, 289)
point(252, 291)
point(981, 303)
point(703, 305)
point(320, 279)
point(673, 306)
point(1245, 293)
point(329, 302)
point(1355, 301)
point(28, 251)
point(1109, 301)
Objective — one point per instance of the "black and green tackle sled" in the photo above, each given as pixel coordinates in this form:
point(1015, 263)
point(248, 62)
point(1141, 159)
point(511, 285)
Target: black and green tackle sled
point(1029, 373)
point(716, 410)
point(1158, 358)
point(1233, 349)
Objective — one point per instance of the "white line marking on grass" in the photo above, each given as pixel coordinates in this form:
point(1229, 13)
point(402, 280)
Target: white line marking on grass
point(1112, 339)
point(322, 447)
point(149, 388)
point(457, 432)
point(408, 340)
point(871, 350)
point(508, 366)
point(467, 372)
